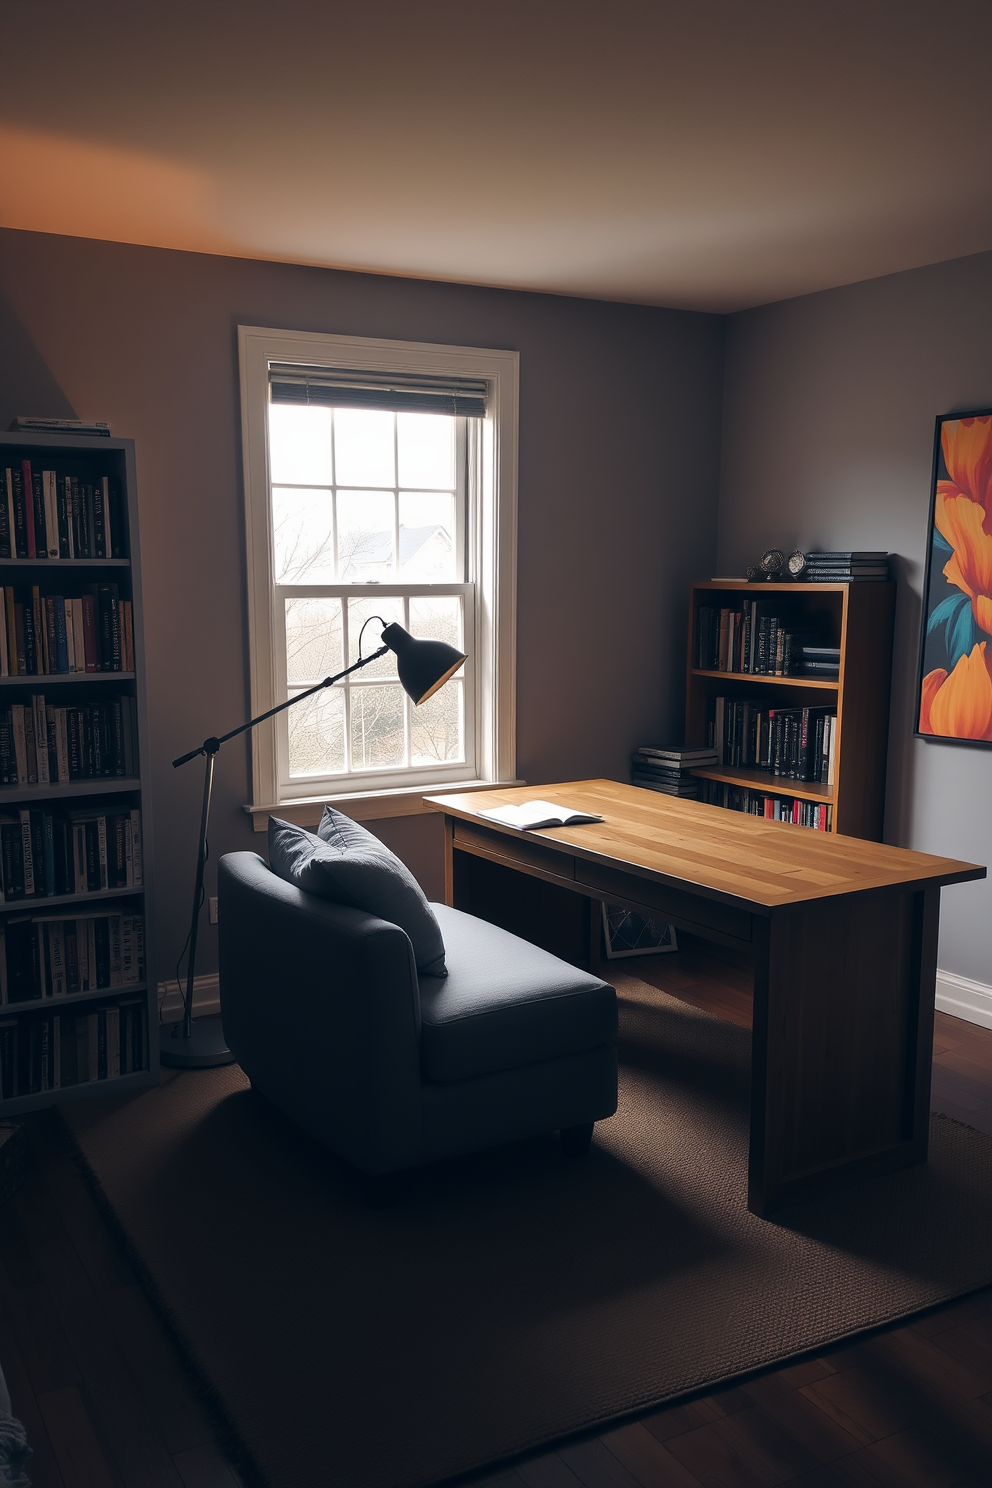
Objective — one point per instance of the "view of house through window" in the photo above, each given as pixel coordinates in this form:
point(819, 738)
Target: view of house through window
point(368, 518)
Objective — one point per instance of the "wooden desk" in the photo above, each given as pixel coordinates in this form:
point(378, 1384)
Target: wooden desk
point(843, 935)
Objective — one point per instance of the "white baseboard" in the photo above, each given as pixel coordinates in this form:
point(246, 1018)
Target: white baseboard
point(206, 998)
point(963, 998)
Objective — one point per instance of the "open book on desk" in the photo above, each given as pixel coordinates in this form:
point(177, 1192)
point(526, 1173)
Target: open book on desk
point(531, 816)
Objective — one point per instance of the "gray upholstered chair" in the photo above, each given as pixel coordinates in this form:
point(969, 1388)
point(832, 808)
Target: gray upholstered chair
point(322, 1006)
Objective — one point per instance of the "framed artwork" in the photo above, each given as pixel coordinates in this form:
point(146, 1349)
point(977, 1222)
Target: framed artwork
point(955, 682)
point(629, 934)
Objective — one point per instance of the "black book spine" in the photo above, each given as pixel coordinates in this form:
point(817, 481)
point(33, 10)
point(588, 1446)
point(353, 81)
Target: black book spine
point(20, 513)
point(99, 525)
point(116, 501)
point(86, 518)
point(75, 517)
point(101, 937)
point(117, 725)
point(40, 525)
point(37, 820)
point(93, 884)
point(63, 496)
point(6, 536)
point(30, 640)
point(73, 722)
point(108, 621)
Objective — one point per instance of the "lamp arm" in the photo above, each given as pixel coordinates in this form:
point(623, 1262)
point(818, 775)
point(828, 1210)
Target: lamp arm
point(211, 745)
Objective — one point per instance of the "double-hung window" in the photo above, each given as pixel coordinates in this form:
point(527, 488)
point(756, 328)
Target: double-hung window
point(380, 487)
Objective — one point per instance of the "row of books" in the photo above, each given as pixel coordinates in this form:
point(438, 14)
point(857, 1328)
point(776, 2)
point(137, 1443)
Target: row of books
point(755, 733)
point(815, 814)
point(45, 852)
point(42, 744)
point(51, 514)
point(748, 637)
point(49, 633)
point(55, 1050)
point(49, 956)
point(846, 568)
point(668, 770)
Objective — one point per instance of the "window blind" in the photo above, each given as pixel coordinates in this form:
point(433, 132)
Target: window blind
point(399, 393)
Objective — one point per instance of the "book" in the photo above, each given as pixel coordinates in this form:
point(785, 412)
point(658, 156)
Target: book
point(25, 425)
point(531, 816)
point(851, 557)
point(684, 754)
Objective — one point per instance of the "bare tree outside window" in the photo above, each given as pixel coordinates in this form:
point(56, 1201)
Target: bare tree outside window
point(366, 498)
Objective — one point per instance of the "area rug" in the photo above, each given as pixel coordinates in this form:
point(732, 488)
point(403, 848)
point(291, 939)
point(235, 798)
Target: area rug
point(511, 1300)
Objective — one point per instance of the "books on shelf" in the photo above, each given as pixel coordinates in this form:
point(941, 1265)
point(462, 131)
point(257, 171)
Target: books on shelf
point(45, 852)
point(758, 734)
point(48, 956)
point(57, 514)
point(815, 814)
point(667, 770)
point(754, 636)
point(52, 1051)
point(531, 816)
point(44, 634)
point(42, 743)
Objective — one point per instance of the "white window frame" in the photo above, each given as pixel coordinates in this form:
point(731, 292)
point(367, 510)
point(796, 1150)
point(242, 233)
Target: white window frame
point(491, 628)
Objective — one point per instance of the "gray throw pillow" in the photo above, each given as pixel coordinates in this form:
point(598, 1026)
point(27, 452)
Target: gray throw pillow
point(347, 864)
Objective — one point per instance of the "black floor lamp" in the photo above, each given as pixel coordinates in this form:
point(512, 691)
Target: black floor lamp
point(423, 667)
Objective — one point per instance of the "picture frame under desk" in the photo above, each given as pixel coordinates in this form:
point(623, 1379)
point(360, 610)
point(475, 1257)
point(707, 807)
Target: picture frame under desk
point(853, 620)
point(78, 1010)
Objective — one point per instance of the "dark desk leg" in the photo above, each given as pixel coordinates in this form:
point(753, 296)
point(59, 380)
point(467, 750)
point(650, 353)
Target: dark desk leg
point(449, 861)
point(843, 1034)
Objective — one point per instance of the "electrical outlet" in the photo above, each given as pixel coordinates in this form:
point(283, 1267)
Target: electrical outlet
point(212, 907)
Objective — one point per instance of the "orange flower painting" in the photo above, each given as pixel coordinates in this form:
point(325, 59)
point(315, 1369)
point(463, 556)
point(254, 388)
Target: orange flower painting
point(956, 666)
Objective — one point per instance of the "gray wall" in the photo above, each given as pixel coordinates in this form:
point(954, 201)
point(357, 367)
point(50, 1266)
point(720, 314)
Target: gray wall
point(619, 414)
point(829, 412)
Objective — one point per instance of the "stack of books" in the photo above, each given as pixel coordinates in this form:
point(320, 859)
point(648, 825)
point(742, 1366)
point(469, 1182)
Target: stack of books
point(25, 425)
point(821, 661)
point(667, 770)
point(846, 568)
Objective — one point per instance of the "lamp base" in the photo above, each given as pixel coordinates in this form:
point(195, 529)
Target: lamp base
point(205, 1048)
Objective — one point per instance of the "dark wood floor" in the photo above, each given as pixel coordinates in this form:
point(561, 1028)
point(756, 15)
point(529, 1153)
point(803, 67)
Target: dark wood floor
point(106, 1402)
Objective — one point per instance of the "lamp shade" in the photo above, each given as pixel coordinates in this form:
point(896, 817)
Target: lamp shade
point(423, 666)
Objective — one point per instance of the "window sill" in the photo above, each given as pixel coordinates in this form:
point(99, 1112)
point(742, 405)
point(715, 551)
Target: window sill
point(367, 805)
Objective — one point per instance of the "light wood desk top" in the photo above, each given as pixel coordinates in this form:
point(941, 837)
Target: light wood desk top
point(724, 855)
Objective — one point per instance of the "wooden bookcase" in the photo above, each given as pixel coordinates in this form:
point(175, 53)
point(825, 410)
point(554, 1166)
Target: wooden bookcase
point(22, 1021)
point(858, 618)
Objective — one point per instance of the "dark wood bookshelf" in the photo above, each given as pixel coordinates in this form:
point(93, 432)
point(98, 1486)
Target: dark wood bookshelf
point(89, 458)
point(858, 617)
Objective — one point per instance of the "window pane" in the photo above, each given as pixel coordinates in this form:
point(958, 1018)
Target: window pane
point(303, 536)
point(437, 619)
point(426, 447)
point(365, 535)
point(363, 447)
point(313, 640)
point(300, 444)
point(437, 730)
point(316, 734)
point(427, 537)
point(360, 610)
point(377, 738)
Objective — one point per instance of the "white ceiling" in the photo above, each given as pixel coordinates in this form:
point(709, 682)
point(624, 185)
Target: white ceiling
point(711, 154)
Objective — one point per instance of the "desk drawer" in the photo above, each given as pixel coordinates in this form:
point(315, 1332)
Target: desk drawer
point(519, 851)
point(688, 909)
